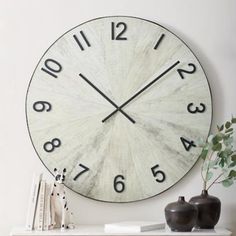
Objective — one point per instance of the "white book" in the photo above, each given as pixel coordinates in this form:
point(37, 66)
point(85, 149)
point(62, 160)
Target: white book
point(133, 226)
point(47, 213)
point(38, 224)
point(33, 201)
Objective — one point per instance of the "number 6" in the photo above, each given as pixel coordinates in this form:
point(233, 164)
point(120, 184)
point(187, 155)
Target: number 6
point(117, 183)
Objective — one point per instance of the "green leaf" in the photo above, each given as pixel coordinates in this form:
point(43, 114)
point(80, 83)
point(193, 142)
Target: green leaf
point(209, 176)
point(215, 140)
point(233, 157)
point(233, 164)
point(227, 124)
point(203, 154)
point(220, 136)
point(222, 162)
point(233, 120)
point(229, 130)
point(212, 164)
point(229, 150)
point(232, 174)
point(227, 182)
point(222, 154)
point(228, 141)
point(209, 139)
point(222, 127)
point(217, 147)
point(226, 136)
point(200, 142)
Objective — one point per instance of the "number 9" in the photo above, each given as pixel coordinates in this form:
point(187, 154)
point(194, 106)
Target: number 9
point(41, 106)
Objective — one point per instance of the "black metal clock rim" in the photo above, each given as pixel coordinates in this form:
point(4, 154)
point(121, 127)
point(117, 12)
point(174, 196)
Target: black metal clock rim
point(113, 17)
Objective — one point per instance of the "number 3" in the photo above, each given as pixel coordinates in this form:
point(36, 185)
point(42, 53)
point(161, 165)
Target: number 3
point(196, 108)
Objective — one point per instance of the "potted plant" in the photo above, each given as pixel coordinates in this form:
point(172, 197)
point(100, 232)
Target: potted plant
point(219, 167)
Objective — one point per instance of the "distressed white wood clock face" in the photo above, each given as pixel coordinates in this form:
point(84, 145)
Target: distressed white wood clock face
point(119, 102)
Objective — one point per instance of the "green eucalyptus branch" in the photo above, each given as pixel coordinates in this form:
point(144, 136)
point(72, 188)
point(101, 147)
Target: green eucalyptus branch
point(203, 179)
point(215, 181)
point(209, 157)
point(219, 157)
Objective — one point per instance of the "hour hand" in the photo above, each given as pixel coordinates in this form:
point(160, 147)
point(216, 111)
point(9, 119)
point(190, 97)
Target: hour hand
point(107, 98)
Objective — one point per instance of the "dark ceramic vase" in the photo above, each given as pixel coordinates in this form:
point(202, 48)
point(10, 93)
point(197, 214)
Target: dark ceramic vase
point(181, 216)
point(208, 210)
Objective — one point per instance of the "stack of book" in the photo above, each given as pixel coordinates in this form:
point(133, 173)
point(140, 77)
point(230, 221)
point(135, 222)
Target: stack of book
point(39, 217)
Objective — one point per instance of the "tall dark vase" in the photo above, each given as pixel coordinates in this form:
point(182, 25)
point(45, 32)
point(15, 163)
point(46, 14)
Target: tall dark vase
point(181, 216)
point(208, 210)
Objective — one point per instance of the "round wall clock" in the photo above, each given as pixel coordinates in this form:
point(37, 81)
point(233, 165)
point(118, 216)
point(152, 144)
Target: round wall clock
point(119, 102)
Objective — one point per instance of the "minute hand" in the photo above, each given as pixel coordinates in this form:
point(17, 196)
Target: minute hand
point(142, 90)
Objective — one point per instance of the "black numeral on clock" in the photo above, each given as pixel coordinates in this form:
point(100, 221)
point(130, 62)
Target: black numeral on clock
point(191, 70)
point(119, 185)
point(159, 41)
point(187, 144)
point(158, 174)
point(192, 109)
point(84, 169)
point(122, 29)
point(51, 145)
point(52, 67)
point(84, 39)
point(41, 106)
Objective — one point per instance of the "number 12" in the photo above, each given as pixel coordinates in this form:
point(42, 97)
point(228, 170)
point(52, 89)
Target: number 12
point(119, 35)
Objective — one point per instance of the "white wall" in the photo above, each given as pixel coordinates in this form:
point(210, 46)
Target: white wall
point(28, 27)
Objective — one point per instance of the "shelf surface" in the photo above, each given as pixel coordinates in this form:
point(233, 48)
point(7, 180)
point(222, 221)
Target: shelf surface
point(98, 230)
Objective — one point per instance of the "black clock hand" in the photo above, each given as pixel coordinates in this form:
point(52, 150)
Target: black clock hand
point(108, 99)
point(140, 91)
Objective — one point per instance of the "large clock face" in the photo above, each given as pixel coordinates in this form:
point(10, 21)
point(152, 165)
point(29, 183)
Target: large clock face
point(120, 103)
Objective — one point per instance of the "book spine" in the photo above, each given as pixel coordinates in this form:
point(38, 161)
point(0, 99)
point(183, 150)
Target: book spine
point(47, 215)
point(49, 205)
point(33, 201)
point(40, 208)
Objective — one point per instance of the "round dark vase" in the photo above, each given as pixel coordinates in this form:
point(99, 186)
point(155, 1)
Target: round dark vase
point(181, 216)
point(208, 210)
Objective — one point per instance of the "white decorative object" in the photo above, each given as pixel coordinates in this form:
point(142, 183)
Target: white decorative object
point(133, 226)
point(33, 201)
point(47, 207)
point(120, 102)
point(60, 214)
point(39, 214)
